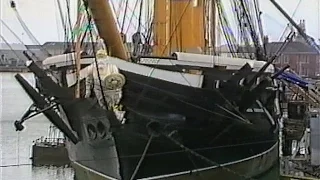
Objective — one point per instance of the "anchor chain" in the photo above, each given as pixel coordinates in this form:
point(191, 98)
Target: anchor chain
point(142, 157)
point(203, 158)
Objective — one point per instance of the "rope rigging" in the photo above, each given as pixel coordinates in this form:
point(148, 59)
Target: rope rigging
point(227, 31)
point(85, 2)
point(8, 44)
point(260, 27)
point(243, 35)
point(170, 138)
point(289, 27)
point(247, 15)
point(124, 16)
point(72, 38)
point(16, 36)
point(133, 14)
point(24, 26)
point(307, 38)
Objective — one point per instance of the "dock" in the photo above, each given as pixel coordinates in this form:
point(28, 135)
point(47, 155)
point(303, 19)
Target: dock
point(300, 135)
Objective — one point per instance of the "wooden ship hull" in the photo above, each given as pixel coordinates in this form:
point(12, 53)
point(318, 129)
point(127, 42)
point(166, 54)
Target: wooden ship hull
point(110, 149)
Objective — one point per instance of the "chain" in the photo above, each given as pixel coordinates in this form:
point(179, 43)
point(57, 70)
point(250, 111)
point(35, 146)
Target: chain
point(203, 158)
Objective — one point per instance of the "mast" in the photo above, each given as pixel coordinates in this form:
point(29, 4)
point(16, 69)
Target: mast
point(107, 27)
point(180, 25)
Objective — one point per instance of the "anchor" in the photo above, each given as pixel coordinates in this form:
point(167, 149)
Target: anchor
point(32, 111)
point(45, 105)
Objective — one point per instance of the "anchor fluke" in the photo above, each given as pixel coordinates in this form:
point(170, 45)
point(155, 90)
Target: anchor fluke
point(18, 125)
point(41, 105)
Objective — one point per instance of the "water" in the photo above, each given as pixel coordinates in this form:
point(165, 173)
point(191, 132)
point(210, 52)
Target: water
point(15, 147)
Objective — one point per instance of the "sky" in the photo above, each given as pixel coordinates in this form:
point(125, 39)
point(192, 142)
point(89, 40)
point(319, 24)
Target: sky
point(43, 19)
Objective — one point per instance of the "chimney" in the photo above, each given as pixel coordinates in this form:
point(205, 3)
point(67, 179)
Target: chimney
point(302, 25)
point(265, 39)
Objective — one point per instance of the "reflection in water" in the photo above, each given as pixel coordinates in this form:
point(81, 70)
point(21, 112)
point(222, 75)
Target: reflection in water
point(15, 147)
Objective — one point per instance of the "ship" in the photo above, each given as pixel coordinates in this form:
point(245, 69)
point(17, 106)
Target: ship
point(139, 121)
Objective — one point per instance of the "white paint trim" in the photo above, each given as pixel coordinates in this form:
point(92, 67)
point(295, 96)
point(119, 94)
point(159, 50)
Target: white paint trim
point(94, 171)
point(186, 79)
point(182, 59)
point(204, 60)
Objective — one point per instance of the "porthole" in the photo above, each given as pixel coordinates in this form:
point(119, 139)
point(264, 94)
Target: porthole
point(92, 132)
point(102, 131)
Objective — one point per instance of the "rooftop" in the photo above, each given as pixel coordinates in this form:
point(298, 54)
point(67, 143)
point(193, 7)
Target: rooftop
point(272, 47)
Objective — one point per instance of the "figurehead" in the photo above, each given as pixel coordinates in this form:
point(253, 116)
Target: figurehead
point(111, 81)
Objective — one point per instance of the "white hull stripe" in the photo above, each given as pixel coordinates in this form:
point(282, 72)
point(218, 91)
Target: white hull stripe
point(93, 171)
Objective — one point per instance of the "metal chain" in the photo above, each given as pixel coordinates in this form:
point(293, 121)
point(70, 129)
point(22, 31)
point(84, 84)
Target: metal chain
point(204, 158)
point(142, 157)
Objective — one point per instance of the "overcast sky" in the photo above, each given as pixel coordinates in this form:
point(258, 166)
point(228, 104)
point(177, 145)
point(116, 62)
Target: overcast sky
point(43, 19)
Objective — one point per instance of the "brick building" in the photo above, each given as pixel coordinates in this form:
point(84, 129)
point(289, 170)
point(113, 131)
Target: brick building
point(302, 58)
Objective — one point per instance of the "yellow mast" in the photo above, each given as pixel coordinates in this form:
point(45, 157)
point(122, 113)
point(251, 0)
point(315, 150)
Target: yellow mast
point(106, 24)
point(180, 25)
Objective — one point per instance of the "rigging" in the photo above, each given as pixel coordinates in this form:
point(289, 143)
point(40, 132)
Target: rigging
point(16, 36)
point(24, 26)
point(307, 38)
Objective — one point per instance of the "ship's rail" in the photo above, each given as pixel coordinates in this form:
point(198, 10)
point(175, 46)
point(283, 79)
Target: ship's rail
point(42, 141)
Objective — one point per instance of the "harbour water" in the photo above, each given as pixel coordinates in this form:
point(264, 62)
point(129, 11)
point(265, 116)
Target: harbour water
point(15, 147)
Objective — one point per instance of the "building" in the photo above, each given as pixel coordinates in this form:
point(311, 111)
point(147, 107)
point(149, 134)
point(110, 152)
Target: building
point(302, 58)
point(13, 55)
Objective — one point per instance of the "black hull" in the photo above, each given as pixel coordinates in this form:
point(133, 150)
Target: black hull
point(117, 155)
point(111, 149)
point(250, 167)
